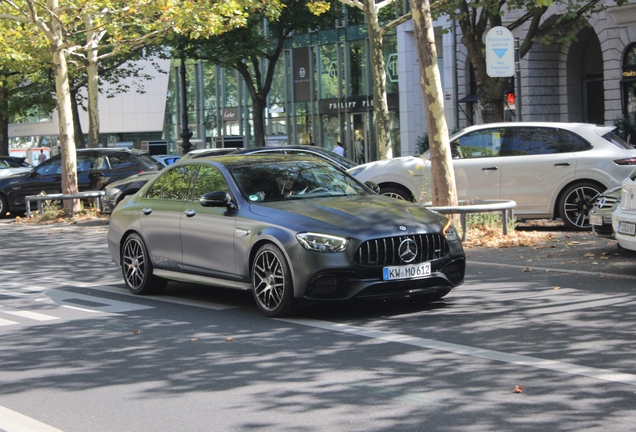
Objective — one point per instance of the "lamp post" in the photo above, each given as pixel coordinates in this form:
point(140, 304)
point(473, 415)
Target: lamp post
point(186, 134)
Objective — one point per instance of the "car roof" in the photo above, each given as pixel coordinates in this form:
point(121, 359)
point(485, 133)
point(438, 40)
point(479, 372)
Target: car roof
point(562, 125)
point(112, 150)
point(234, 160)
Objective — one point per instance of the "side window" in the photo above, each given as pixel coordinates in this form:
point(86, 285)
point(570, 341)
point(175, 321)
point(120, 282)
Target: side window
point(209, 179)
point(478, 144)
point(155, 189)
point(571, 142)
point(177, 183)
point(84, 163)
point(523, 141)
point(119, 162)
point(49, 167)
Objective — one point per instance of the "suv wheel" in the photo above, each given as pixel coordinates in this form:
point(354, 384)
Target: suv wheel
point(576, 202)
point(4, 207)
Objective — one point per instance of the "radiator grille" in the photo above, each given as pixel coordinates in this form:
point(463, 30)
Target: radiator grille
point(385, 251)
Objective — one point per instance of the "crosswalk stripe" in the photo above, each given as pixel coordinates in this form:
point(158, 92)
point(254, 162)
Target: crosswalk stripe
point(31, 315)
point(4, 322)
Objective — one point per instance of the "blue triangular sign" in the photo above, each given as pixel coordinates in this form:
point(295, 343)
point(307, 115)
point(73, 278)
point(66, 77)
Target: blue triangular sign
point(500, 51)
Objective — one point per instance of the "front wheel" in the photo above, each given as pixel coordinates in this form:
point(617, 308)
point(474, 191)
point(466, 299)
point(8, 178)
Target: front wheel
point(272, 283)
point(137, 268)
point(576, 202)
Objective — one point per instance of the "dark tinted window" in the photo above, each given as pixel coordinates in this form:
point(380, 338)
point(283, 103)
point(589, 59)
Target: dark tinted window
point(522, 141)
point(478, 144)
point(209, 179)
point(119, 162)
point(50, 166)
point(177, 183)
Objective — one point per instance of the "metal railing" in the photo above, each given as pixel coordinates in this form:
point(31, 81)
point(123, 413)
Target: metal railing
point(61, 197)
point(506, 207)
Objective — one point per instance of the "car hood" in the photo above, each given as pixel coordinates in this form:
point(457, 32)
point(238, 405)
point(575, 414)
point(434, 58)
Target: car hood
point(14, 179)
point(355, 215)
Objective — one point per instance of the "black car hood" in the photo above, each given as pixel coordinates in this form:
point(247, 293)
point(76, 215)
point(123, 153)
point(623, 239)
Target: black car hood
point(14, 179)
point(383, 215)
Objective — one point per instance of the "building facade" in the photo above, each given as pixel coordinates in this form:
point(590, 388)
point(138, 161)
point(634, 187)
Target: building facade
point(323, 90)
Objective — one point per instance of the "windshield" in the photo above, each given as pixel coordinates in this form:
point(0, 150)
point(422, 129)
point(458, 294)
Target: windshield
point(279, 181)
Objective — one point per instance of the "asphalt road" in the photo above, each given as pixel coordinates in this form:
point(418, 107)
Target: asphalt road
point(78, 353)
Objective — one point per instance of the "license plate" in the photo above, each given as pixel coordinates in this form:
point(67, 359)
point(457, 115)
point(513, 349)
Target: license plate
point(626, 228)
point(596, 220)
point(407, 271)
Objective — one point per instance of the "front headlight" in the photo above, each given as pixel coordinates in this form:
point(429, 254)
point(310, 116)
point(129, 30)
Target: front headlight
point(449, 232)
point(322, 242)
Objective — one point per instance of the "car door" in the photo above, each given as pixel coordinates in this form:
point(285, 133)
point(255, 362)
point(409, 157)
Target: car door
point(46, 177)
point(160, 216)
point(477, 164)
point(207, 233)
point(538, 163)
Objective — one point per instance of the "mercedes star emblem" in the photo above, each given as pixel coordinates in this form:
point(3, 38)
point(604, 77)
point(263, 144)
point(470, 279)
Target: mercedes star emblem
point(407, 250)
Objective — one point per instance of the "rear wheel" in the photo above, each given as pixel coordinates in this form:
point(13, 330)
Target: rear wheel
point(272, 282)
point(4, 207)
point(576, 202)
point(395, 192)
point(137, 268)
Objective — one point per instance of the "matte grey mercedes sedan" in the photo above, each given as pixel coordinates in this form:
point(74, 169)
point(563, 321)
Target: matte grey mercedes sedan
point(289, 228)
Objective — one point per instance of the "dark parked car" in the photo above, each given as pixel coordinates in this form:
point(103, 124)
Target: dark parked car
point(166, 160)
point(119, 190)
point(287, 228)
point(96, 168)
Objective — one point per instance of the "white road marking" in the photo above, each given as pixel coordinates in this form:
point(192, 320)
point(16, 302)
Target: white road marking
point(555, 270)
point(29, 314)
point(4, 322)
point(11, 421)
point(552, 365)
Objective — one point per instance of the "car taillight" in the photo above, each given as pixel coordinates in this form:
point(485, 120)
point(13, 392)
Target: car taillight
point(628, 161)
point(141, 172)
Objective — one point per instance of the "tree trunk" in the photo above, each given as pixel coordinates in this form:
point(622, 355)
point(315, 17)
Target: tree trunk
point(258, 115)
point(92, 84)
point(4, 121)
point(380, 105)
point(77, 125)
point(443, 176)
point(67, 136)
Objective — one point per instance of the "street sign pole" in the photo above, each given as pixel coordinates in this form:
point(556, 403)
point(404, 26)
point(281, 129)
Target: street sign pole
point(518, 113)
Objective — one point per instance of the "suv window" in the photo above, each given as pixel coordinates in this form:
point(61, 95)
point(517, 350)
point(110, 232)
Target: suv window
point(49, 167)
point(524, 141)
point(478, 144)
point(119, 162)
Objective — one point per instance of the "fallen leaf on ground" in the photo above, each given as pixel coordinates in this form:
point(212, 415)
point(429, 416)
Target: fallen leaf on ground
point(550, 255)
point(137, 331)
point(230, 339)
point(589, 255)
point(605, 257)
point(557, 288)
point(527, 269)
point(517, 389)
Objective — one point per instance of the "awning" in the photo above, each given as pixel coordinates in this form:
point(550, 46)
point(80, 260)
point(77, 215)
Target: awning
point(468, 98)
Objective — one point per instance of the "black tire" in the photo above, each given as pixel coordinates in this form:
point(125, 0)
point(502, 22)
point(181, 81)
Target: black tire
point(4, 207)
point(396, 192)
point(575, 204)
point(137, 268)
point(272, 283)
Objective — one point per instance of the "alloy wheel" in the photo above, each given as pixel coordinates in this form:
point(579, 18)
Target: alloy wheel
point(269, 280)
point(134, 263)
point(577, 204)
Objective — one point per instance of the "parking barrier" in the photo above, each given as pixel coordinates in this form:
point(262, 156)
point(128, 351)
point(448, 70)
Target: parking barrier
point(61, 197)
point(481, 206)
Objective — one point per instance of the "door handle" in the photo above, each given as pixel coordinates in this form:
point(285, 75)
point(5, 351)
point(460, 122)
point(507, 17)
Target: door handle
point(490, 169)
point(562, 164)
point(146, 211)
point(189, 213)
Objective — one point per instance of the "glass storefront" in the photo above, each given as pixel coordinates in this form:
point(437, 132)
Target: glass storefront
point(322, 93)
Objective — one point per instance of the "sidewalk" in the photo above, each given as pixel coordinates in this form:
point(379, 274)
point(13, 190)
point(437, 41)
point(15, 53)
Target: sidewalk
point(561, 250)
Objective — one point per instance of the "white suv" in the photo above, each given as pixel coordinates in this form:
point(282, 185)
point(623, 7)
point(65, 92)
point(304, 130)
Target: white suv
point(551, 170)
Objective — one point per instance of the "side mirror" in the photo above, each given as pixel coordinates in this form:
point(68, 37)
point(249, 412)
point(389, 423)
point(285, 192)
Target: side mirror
point(373, 186)
point(216, 199)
